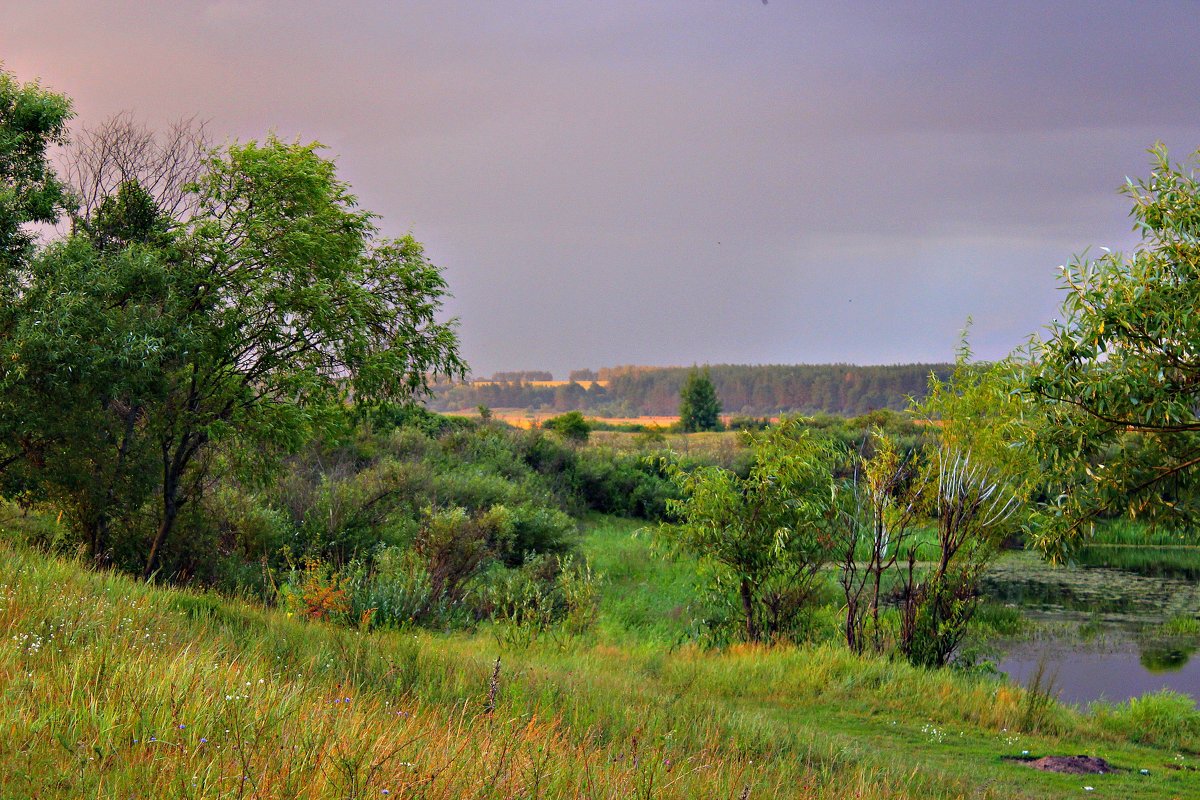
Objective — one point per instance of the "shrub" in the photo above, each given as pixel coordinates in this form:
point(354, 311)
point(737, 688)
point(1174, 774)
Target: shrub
point(548, 594)
point(571, 426)
point(317, 592)
point(536, 530)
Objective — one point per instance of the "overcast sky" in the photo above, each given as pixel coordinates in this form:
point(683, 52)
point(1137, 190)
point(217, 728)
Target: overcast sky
point(680, 181)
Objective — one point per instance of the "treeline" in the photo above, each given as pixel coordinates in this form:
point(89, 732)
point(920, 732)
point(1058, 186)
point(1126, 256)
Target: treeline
point(759, 390)
point(527, 375)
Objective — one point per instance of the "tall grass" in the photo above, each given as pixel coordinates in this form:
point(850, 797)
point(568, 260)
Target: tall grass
point(116, 689)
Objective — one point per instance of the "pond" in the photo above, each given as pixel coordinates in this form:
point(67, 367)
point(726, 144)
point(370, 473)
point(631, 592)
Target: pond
point(1100, 632)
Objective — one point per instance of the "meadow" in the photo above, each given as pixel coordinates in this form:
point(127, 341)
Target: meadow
point(118, 688)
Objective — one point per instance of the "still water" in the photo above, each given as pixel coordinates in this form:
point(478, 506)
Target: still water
point(1097, 637)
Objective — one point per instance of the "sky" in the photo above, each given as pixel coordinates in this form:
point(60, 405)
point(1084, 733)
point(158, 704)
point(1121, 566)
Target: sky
point(683, 181)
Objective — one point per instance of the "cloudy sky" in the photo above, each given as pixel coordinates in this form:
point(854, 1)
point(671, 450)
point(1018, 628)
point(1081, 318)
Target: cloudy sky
point(680, 181)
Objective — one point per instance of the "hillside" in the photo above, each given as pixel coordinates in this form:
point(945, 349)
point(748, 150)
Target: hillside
point(119, 689)
point(755, 390)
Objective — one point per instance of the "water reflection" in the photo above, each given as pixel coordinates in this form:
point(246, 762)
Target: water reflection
point(1098, 640)
point(1114, 675)
point(1168, 656)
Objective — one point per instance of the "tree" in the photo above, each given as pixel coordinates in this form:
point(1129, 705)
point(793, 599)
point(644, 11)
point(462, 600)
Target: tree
point(887, 503)
point(120, 151)
point(571, 426)
point(1119, 373)
point(270, 298)
point(699, 409)
point(32, 120)
point(81, 364)
point(764, 537)
point(982, 469)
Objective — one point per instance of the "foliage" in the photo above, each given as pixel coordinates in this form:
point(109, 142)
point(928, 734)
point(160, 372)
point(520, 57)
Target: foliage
point(888, 502)
point(764, 536)
point(82, 360)
point(317, 593)
point(548, 596)
point(155, 337)
point(32, 120)
point(187, 687)
point(1118, 372)
point(571, 426)
point(971, 503)
point(699, 408)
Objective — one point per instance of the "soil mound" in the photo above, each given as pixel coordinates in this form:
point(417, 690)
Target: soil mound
point(1073, 765)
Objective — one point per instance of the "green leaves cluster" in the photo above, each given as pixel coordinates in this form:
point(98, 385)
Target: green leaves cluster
point(1119, 373)
point(32, 120)
point(765, 535)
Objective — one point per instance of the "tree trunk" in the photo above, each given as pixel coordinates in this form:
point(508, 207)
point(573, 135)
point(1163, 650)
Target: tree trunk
point(748, 608)
point(97, 539)
point(170, 513)
point(173, 467)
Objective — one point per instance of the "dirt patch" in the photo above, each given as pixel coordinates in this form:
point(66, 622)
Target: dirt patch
point(1071, 765)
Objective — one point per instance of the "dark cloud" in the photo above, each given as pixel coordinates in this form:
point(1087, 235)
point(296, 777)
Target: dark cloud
point(697, 180)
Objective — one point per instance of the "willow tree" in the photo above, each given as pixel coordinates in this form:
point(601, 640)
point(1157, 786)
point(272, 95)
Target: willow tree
point(1119, 372)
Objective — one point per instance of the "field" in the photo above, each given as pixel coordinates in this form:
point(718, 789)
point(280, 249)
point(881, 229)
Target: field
point(525, 418)
point(118, 689)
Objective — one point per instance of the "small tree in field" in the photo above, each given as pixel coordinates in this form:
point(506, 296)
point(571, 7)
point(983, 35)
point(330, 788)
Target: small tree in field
point(762, 538)
point(699, 408)
point(571, 426)
point(979, 474)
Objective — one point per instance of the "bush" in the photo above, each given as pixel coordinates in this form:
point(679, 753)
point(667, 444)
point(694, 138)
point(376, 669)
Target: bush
point(571, 426)
point(317, 592)
point(394, 590)
point(627, 485)
point(547, 595)
point(536, 530)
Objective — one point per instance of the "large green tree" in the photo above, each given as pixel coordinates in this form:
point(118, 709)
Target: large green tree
point(699, 408)
point(237, 322)
point(1119, 371)
point(32, 120)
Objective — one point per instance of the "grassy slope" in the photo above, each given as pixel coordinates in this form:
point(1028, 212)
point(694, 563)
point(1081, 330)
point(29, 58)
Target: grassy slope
point(114, 689)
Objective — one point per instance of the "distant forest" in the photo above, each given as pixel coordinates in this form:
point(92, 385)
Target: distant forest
point(761, 390)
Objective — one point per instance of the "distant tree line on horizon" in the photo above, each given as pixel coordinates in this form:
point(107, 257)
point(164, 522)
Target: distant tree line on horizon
point(762, 390)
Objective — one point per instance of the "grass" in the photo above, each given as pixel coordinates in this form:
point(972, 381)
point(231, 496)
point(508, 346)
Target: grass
point(725, 448)
point(118, 689)
point(1134, 533)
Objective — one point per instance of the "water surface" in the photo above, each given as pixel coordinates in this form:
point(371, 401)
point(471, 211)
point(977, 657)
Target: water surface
point(1096, 635)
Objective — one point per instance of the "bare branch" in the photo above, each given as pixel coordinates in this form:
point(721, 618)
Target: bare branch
point(120, 149)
